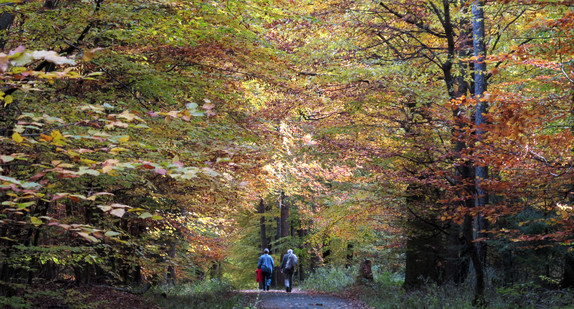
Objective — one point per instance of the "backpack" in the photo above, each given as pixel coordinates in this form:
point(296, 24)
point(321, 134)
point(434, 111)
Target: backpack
point(291, 261)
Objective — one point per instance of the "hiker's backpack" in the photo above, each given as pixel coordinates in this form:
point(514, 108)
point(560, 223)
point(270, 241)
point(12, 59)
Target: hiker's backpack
point(291, 261)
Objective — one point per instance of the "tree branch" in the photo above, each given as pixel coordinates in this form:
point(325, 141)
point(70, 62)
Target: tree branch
point(411, 20)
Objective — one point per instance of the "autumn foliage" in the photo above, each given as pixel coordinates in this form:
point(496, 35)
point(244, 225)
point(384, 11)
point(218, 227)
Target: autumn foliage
point(153, 142)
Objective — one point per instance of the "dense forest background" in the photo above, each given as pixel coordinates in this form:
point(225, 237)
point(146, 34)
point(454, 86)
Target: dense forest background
point(154, 142)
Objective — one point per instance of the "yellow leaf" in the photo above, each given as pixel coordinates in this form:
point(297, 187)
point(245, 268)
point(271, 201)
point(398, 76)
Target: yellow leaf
point(88, 161)
point(116, 150)
point(56, 135)
point(88, 55)
point(124, 139)
point(17, 137)
point(106, 169)
point(8, 99)
point(36, 221)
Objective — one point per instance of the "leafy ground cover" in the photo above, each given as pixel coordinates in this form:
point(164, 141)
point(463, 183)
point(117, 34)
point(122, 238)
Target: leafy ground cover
point(386, 291)
point(212, 293)
point(65, 296)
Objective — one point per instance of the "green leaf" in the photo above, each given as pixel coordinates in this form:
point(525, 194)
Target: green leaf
point(25, 205)
point(7, 159)
point(146, 215)
point(112, 234)
point(85, 170)
point(88, 237)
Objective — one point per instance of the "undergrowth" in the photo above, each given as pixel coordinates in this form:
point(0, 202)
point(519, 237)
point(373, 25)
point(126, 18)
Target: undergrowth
point(386, 291)
point(330, 279)
point(213, 293)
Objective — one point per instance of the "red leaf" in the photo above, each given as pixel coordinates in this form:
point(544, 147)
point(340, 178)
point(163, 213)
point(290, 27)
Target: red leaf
point(148, 166)
point(37, 176)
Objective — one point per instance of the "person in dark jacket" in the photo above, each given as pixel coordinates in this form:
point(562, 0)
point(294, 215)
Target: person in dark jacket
point(288, 264)
point(266, 264)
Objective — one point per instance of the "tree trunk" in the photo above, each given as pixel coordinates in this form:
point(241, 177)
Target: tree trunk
point(170, 275)
point(507, 267)
point(468, 233)
point(568, 276)
point(425, 244)
point(456, 268)
point(262, 232)
point(6, 21)
point(365, 270)
point(284, 215)
point(481, 171)
point(457, 260)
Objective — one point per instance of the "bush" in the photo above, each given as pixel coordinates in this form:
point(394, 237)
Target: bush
point(330, 279)
point(213, 293)
point(387, 292)
point(387, 278)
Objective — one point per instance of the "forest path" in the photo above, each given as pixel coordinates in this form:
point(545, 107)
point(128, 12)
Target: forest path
point(277, 299)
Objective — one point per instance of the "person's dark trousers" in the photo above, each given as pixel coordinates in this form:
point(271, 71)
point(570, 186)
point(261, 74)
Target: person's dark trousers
point(288, 273)
point(266, 280)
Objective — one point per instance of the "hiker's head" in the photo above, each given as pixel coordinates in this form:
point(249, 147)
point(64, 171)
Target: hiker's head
point(290, 251)
point(265, 250)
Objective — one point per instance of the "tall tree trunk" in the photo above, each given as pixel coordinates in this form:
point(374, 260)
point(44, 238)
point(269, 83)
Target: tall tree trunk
point(568, 276)
point(170, 275)
point(425, 244)
point(284, 215)
point(481, 105)
point(262, 232)
point(456, 268)
point(457, 262)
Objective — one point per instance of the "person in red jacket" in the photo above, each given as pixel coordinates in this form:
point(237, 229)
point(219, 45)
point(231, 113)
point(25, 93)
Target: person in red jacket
point(259, 279)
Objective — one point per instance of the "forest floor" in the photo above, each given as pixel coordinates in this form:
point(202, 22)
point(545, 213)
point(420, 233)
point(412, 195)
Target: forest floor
point(276, 299)
point(69, 296)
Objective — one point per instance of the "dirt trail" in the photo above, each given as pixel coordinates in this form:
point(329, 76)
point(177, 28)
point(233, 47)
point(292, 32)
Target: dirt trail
point(276, 299)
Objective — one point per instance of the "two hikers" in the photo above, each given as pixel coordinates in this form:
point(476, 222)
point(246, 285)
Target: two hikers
point(266, 265)
point(288, 264)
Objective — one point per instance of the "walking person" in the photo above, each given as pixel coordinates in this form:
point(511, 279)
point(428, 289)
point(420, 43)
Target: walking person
point(266, 264)
point(288, 264)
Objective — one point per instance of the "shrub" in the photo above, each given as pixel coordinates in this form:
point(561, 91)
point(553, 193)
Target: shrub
point(330, 279)
point(212, 293)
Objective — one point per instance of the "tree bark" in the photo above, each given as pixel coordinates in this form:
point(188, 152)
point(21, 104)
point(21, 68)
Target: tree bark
point(365, 270)
point(284, 216)
point(481, 170)
point(568, 276)
point(425, 244)
point(6, 21)
point(170, 275)
point(262, 231)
